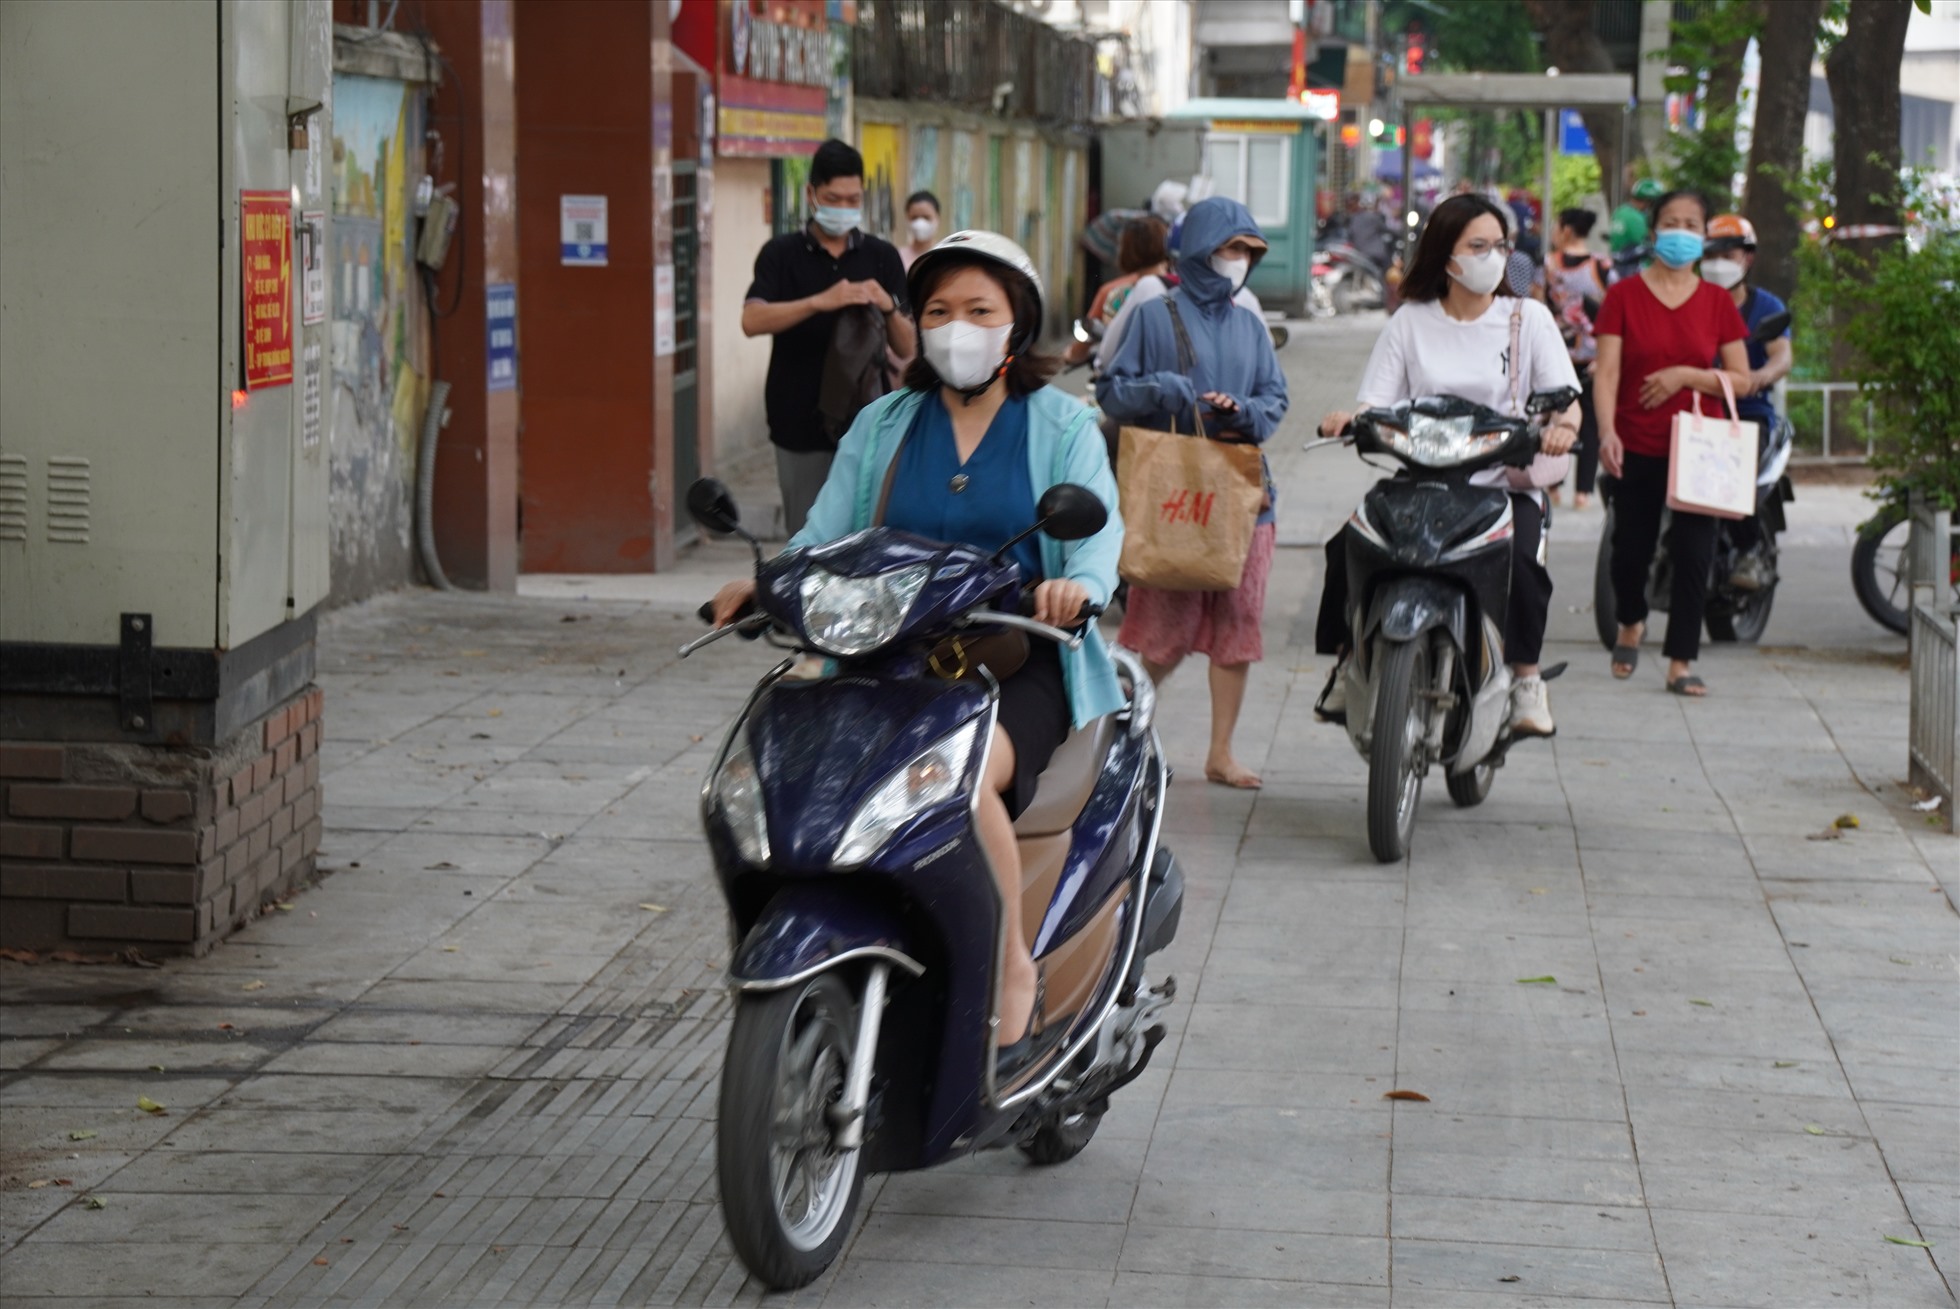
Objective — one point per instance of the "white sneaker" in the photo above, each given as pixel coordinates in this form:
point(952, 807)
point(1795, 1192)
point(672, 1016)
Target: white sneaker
point(1531, 708)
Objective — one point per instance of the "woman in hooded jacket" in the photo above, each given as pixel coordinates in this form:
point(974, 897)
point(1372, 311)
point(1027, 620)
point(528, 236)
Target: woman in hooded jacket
point(1239, 394)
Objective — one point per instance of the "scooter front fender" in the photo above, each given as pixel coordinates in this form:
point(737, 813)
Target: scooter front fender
point(1411, 605)
point(809, 928)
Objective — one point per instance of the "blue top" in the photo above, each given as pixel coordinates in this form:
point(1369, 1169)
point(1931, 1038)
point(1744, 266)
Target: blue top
point(995, 496)
point(1063, 445)
point(1756, 306)
point(1143, 385)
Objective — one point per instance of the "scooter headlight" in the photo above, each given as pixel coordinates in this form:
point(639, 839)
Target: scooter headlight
point(738, 798)
point(932, 777)
point(1437, 441)
point(850, 616)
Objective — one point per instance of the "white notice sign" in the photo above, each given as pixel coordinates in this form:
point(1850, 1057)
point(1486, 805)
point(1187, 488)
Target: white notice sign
point(582, 230)
point(663, 309)
point(313, 273)
point(309, 394)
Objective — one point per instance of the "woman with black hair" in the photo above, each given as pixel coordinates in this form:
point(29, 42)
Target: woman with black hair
point(921, 223)
point(1656, 333)
point(964, 453)
point(1462, 331)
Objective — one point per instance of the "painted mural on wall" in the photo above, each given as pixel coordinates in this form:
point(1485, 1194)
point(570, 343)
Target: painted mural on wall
point(380, 350)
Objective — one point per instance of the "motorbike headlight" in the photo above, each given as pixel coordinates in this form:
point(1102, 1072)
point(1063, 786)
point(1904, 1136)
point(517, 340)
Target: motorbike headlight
point(1440, 442)
point(738, 797)
point(850, 616)
point(932, 777)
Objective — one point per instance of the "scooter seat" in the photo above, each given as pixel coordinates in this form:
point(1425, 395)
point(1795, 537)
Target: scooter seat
point(1065, 785)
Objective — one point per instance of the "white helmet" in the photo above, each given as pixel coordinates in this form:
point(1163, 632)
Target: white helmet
point(993, 248)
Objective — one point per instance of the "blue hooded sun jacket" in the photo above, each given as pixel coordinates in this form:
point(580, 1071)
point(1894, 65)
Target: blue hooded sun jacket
point(1143, 385)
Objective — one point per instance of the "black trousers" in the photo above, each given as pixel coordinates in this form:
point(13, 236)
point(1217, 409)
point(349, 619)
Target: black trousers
point(1638, 503)
point(1531, 590)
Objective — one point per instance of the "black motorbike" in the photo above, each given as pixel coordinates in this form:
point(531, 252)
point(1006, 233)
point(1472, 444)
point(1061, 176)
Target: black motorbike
point(1733, 613)
point(1429, 583)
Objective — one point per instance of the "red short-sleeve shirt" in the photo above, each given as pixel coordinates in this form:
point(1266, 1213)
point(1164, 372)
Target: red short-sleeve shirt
point(1653, 337)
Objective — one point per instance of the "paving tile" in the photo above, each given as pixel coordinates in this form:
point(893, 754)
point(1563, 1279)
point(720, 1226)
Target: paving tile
point(1266, 1256)
point(1521, 1222)
point(1185, 1291)
point(998, 1242)
point(874, 1283)
point(1455, 1267)
point(257, 1219)
point(1793, 1172)
point(190, 1269)
point(1761, 1260)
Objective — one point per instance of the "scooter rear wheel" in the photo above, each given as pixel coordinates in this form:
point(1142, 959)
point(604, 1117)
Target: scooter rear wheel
point(1469, 789)
point(787, 1193)
point(1395, 752)
point(1063, 1137)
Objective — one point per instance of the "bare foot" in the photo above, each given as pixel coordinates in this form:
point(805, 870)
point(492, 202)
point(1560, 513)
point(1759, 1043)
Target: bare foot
point(1017, 990)
point(1227, 771)
point(1580, 499)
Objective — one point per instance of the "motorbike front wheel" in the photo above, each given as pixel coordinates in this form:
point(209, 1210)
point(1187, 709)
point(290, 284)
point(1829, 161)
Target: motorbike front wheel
point(1746, 614)
point(1878, 567)
point(1395, 752)
point(787, 1193)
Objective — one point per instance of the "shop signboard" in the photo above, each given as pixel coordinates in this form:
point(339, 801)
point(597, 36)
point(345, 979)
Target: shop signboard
point(776, 65)
point(266, 221)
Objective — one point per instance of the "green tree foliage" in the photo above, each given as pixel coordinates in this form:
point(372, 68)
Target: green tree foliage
point(1574, 179)
point(1907, 361)
point(1705, 61)
point(1481, 36)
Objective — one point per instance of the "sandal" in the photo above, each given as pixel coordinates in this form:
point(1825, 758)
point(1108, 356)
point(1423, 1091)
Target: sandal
point(1627, 657)
point(1689, 685)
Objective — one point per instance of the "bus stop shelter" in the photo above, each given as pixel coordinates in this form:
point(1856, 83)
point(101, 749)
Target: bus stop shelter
point(1546, 92)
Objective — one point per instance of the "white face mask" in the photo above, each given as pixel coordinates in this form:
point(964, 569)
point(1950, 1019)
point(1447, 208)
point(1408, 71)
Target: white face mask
point(965, 355)
point(1724, 273)
point(922, 229)
point(1479, 274)
point(1234, 271)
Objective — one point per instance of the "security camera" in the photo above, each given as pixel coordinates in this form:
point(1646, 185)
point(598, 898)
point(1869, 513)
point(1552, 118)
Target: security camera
point(1003, 91)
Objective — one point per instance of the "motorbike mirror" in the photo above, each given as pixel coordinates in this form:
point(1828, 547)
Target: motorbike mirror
point(1771, 328)
point(1079, 332)
point(1546, 402)
point(1280, 335)
point(1071, 513)
point(710, 504)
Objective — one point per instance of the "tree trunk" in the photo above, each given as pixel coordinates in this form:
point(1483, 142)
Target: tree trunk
point(1863, 72)
point(1776, 150)
point(1572, 46)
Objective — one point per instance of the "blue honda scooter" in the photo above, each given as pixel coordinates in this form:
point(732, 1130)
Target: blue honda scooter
point(866, 919)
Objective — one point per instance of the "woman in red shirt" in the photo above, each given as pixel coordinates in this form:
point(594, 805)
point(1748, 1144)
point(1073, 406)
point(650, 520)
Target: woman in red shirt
point(1656, 334)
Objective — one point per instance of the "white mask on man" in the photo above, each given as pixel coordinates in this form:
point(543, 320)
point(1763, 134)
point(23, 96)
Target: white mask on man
point(1724, 273)
point(965, 355)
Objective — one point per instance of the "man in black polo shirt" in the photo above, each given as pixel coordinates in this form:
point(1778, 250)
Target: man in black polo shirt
point(802, 280)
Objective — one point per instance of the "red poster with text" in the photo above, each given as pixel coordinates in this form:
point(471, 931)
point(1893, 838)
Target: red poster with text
point(265, 219)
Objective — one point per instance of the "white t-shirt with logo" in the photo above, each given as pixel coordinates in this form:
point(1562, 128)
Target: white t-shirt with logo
point(1423, 351)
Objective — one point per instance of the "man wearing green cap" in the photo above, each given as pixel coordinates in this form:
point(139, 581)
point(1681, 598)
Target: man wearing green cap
point(1627, 229)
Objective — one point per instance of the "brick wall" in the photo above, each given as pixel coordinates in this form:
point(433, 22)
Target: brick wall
point(168, 847)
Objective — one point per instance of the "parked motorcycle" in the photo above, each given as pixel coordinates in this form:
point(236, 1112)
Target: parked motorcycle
point(1345, 281)
point(866, 923)
point(1878, 564)
point(1732, 613)
point(1429, 583)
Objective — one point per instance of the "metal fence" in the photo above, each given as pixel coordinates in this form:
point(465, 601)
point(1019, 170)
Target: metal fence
point(1827, 446)
point(981, 57)
point(1934, 633)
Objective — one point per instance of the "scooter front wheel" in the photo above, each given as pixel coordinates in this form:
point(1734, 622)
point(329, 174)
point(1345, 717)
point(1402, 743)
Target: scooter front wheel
point(787, 1192)
point(1395, 752)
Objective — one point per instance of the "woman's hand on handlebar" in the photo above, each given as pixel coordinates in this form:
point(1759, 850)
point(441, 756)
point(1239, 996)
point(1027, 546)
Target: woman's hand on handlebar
point(1058, 602)
point(731, 600)
point(1335, 422)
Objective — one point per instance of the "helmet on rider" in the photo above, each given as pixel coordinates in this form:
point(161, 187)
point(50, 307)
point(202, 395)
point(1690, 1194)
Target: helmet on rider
point(1727, 233)
point(997, 255)
point(1648, 189)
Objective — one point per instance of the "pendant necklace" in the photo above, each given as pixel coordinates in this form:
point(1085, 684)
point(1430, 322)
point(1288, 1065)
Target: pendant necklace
point(958, 483)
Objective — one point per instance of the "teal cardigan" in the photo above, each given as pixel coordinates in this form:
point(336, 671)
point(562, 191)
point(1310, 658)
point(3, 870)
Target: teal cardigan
point(1064, 445)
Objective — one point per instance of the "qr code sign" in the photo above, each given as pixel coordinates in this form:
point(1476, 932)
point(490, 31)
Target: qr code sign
point(582, 230)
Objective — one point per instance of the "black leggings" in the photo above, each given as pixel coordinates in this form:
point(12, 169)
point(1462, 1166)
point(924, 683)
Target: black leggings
point(1531, 590)
point(1639, 500)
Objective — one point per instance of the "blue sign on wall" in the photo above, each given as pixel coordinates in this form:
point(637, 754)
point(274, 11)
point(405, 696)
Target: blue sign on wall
point(1572, 136)
point(500, 348)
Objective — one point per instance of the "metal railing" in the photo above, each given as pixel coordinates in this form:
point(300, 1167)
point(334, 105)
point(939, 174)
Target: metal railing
point(981, 57)
point(1934, 635)
point(1825, 452)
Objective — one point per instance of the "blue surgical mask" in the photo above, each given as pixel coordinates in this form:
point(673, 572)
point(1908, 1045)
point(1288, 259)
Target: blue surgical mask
point(1677, 248)
point(837, 220)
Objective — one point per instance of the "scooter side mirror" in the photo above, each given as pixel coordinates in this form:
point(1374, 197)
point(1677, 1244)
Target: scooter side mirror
point(1279, 334)
point(1069, 512)
point(1550, 402)
point(1770, 328)
point(710, 504)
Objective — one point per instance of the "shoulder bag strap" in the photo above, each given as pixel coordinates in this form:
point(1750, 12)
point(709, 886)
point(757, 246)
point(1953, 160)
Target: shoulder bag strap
point(1517, 363)
point(891, 469)
point(1187, 360)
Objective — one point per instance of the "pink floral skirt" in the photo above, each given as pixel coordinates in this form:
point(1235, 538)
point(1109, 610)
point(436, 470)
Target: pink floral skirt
point(1165, 626)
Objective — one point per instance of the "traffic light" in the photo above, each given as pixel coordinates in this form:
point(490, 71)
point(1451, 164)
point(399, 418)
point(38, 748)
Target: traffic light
point(1417, 48)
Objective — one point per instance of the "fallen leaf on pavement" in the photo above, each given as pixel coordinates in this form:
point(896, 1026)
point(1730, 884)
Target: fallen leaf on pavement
point(1706, 1004)
point(1813, 1129)
point(1546, 980)
point(451, 949)
point(37, 1183)
point(283, 906)
point(97, 1202)
point(84, 1134)
point(1537, 890)
point(1845, 820)
point(1906, 1240)
point(156, 1068)
point(149, 1106)
point(253, 985)
point(495, 713)
point(1405, 1095)
point(1895, 959)
point(1784, 1063)
point(1512, 1278)
point(1928, 805)
point(320, 1262)
point(439, 866)
point(654, 908)
point(225, 1027)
